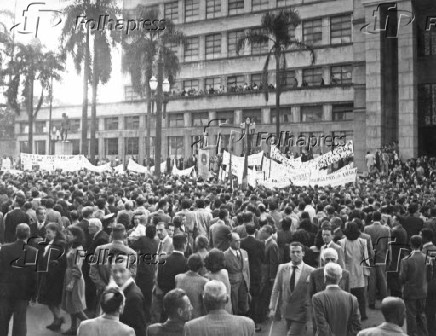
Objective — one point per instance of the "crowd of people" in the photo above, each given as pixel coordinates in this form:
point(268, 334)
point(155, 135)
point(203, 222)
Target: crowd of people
point(137, 255)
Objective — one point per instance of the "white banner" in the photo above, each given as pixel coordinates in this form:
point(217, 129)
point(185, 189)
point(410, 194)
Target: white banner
point(6, 164)
point(53, 162)
point(291, 163)
point(340, 177)
point(253, 160)
point(119, 169)
point(203, 164)
point(184, 172)
point(137, 168)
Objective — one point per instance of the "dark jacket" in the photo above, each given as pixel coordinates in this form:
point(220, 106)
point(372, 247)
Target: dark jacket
point(18, 270)
point(13, 218)
point(175, 264)
point(133, 313)
point(256, 256)
point(413, 275)
point(413, 225)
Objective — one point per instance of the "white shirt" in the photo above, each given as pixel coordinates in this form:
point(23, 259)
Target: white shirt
point(138, 231)
point(297, 271)
point(235, 252)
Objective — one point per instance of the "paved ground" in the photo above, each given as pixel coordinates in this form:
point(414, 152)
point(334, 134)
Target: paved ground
point(38, 317)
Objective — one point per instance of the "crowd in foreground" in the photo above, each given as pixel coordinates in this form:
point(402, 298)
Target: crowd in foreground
point(133, 255)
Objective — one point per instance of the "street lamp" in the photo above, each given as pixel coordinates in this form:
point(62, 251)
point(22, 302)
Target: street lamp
point(249, 129)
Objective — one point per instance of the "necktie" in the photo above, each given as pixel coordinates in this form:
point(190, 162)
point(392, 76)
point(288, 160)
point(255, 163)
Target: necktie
point(292, 283)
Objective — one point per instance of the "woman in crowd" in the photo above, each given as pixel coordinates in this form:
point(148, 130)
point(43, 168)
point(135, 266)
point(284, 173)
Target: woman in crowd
point(202, 244)
point(355, 251)
point(216, 265)
point(73, 301)
point(52, 268)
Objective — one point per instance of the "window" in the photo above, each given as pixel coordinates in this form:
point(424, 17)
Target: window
point(175, 147)
point(225, 117)
point(200, 119)
point(236, 6)
point(259, 48)
point(341, 75)
point(255, 115)
point(131, 122)
point(110, 124)
point(191, 49)
point(235, 81)
point(212, 83)
point(232, 42)
point(176, 120)
point(24, 128)
point(152, 121)
point(40, 127)
point(285, 115)
point(76, 146)
point(259, 5)
point(171, 11)
point(213, 46)
point(285, 3)
point(427, 104)
point(96, 147)
point(256, 79)
point(288, 79)
point(291, 31)
point(430, 42)
point(174, 47)
point(192, 10)
point(311, 113)
point(312, 32)
point(347, 136)
point(213, 8)
point(40, 147)
point(24, 148)
point(341, 112)
point(111, 146)
point(340, 29)
point(312, 76)
point(191, 84)
point(131, 146)
point(89, 124)
point(130, 94)
point(75, 125)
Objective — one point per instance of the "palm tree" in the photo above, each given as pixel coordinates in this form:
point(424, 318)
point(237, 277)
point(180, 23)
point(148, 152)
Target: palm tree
point(141, 50)
point(275, 27)
point(31, 62)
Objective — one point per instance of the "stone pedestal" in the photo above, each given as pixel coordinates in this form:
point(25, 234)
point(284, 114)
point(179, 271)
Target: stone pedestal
point(63, 148)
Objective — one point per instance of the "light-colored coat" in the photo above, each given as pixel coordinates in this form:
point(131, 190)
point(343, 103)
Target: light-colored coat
point(104, 326)
point(232, 266)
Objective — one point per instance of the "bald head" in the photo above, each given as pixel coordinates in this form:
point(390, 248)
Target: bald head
point(215, 295)
point(22, 231)
point(235, 243)
point(393, 310)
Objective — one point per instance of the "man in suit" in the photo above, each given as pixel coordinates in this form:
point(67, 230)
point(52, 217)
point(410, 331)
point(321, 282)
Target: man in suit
point(133, 314)
point(17, 281)
point(99, 271)
point(270, 266)
point(37, 229)
point(179, 310)
point(392, 309)
point(335, 311)
point(429, 250)
point(108, 324)
point(166, 273)
point(147, 246)
point(412, 224)
point(327, 237)
point(51, 215)
point(413, 276)
point(15, 217)
point(380, 237)
point(165, 247)
point(98, 238)
point(193, 284)
point(256, 255)
point(238, 268)
point(291, 289)
point(218, 321)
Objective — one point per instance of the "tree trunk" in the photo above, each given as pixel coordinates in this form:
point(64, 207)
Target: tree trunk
point(84, 150)
point(94, 103)
point(159, 98)
point(29, 108)
point(148, 116)
point(278, 92)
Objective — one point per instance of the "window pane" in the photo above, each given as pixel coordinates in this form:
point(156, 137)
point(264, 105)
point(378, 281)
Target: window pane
point(131, 146)
point(259, 5)
point(190, 85)
point(40, 147)
point(192, 10)
point(75, 125)
point(340, 29)
point(175, 147)
point(176, 120)
point(285, 3)
point(130, 94)
point(259, 48)
point(256, 79)
point(40, 127)
point(191, 49)
point(254, 115)
point(233, 83)
point(232, 42)
point(288, 79)
point(213, 8)
point(200, 119)
point(236, 6)
point(312, 76)
point(225, 117)
point(342, 112)
point(285, 115)
point(213, 46)
point(312, 32)
point(311, 113)
point(341, 75)
point(110, 124)
point(111, 146)
point(212, 84)
point(172, 11)
point(131, 122)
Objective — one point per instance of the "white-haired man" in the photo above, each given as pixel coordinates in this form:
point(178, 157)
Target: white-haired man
point(218, 321)
point(335, 311)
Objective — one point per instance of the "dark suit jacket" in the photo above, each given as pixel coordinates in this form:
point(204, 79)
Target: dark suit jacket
point(84, 225)
point(238, 273)
point(134, 314)
point(430, 252)
point(380, 237)
point(317, 284)
point(174, 264)
point(336, 312)
point(413, 225)
point(169, 328)
point(13, 218)
point(18, 270)
point(35, 233)
point(147, 248)
point(413, 275)
point(256, 255)
point(271, 263)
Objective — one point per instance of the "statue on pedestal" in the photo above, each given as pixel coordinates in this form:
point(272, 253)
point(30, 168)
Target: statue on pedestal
point(65, 127)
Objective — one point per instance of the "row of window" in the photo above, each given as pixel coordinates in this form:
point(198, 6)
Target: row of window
point(214, 7)
point(340, 32)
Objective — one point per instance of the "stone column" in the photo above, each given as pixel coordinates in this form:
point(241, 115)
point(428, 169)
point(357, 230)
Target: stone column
point(407, 92)
point(326, 30)
point(181, 18)
point(299, 76)
point(224, 7)
point(247, 6)
point(202, 10)
point(296, 114)
point(224, 51)
point(327, 112)
point(202, 48)
point(266, 115)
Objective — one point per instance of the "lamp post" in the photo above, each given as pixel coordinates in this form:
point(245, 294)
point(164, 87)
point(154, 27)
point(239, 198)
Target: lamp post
point(249, 128)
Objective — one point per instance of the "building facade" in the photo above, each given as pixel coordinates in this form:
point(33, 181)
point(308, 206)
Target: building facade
point(370, 81)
